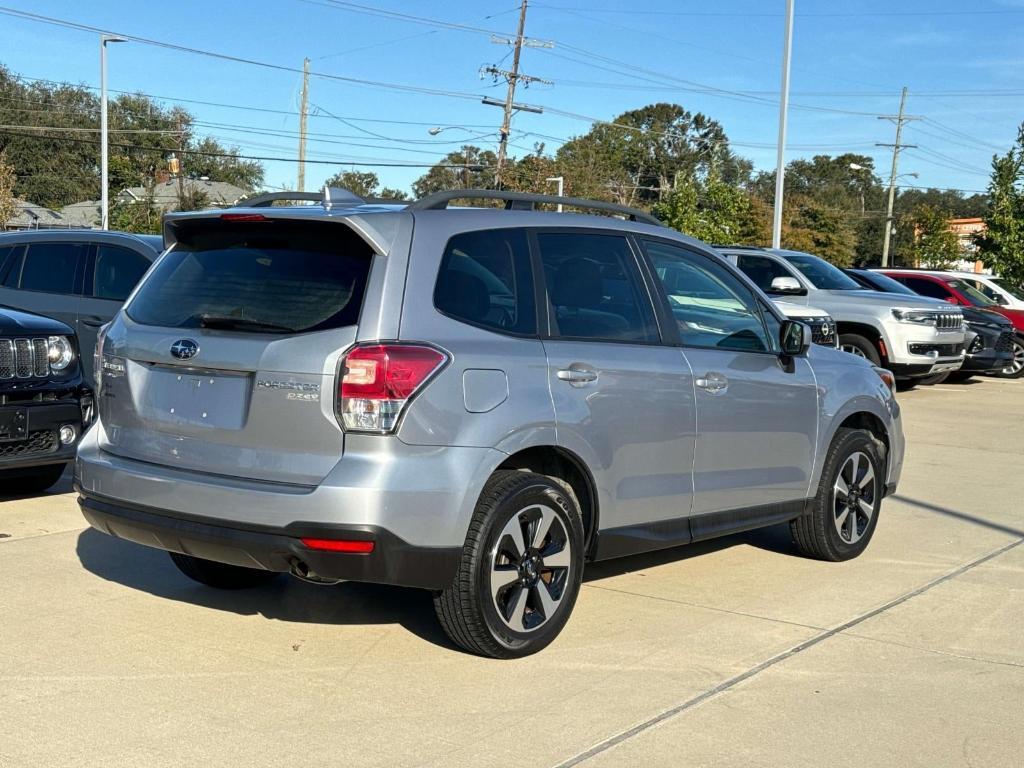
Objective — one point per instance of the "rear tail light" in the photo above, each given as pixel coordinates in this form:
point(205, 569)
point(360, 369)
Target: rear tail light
point(379, 379)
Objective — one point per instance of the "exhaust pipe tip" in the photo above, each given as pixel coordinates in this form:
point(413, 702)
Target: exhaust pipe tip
point(301, 570)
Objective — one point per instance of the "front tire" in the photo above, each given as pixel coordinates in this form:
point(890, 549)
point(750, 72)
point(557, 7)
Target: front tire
point(220, 575)
point(845, 510)
point(935, 378)
point(1016, 367)
point(521, 568)
point(860, 346)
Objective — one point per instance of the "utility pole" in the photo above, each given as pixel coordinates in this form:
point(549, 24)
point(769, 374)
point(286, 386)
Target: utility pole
point(302, 126)
point(104, 135)
point(780, 163)
point(513, 76)
point(899, 119)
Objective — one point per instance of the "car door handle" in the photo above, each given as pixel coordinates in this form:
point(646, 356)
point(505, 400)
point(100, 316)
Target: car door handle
point(575, 375)
point(93, 322)
point(714, 383)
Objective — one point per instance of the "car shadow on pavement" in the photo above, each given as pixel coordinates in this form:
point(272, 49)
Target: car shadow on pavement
point(284, 598)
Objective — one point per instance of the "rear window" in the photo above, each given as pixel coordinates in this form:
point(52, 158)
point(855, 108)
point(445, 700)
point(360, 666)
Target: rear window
point(262, 277)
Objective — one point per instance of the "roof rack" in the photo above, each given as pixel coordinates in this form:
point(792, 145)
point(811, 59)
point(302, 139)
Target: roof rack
point(740, 247)
point(526, 201)
point(328, 197)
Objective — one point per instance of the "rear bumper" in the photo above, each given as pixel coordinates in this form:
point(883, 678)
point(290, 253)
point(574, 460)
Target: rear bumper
point(392, 561)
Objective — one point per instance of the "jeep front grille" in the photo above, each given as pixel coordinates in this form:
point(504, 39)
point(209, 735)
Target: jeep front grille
point(949, 321)
point(24, 358)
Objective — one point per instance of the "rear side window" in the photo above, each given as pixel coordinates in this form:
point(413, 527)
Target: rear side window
point(47, 267)
point(265, 277)
point(595, 288)
point(486, 280)
point(925, 287)
point(116, 272)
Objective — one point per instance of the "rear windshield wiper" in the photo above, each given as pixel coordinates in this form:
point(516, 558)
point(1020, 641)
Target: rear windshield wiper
point(228, 323)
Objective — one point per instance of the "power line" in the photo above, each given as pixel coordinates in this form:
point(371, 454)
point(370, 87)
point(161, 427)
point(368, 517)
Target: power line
point(235, 59)
point(762, 14)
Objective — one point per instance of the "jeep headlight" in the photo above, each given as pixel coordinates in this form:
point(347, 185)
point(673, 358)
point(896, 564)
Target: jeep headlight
point(61, 353)
point(916, 316)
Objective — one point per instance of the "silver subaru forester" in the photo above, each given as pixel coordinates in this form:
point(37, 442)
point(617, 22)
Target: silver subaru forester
point(475, 401)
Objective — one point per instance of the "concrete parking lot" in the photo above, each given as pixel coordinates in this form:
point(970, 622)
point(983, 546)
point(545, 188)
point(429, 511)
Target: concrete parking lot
point(735, 652)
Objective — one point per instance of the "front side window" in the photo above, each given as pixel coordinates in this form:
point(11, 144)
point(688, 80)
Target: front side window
point(116, 272)
point(50, 267)
point(711, 306)
point(930, 288)
point(274, 276)
point(823, 276)
point(762, 270)
point(1014, 290)
point(595, 288)
point(486, 280)
point(976, 297)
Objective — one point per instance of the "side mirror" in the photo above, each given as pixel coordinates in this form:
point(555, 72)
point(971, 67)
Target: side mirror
point(998, 298)
point(787, 286)
point(794, 338)
point(952, 300)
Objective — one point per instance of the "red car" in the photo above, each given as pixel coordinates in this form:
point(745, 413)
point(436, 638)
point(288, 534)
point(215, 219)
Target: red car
point(955, 290)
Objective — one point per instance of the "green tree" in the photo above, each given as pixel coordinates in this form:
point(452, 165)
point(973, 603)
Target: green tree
point(140, 216)
point(357, 182)
point(467, 168)
point(7, 178)
point(810, 226)
point(639, 156)
point(1002, 244)
point(934, 245)
point(715, 212)
point(61, 166)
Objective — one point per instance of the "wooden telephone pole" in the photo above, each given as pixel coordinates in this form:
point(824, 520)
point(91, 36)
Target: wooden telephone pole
point(303, 116)
point(513, 76)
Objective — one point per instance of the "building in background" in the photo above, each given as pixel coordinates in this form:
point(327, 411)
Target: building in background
point(31, 216)
point(965, 231)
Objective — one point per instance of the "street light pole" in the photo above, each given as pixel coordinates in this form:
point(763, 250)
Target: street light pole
point(560, 180)
point(104, 182)
point(780, 165)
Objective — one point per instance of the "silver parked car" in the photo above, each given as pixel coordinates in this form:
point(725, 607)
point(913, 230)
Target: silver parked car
point(474, 401)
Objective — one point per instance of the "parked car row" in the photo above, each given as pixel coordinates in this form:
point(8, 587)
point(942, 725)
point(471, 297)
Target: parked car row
point(475, 402)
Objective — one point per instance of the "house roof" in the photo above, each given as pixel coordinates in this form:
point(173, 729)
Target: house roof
point(165, 194)
point(31, 216)
point(85, 214)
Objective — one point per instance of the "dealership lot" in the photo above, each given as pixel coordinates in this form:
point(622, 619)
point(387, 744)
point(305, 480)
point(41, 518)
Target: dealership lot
point(734, 652)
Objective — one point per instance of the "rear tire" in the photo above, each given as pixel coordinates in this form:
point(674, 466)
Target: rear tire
point(220, 575)
point(840, 525)
point(860, 346)
point(25, 482)
point(521, 568)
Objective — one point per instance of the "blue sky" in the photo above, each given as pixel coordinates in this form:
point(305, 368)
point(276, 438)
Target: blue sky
point(963, 64)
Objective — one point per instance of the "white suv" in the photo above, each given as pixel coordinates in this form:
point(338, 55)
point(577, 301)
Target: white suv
point(912, 336)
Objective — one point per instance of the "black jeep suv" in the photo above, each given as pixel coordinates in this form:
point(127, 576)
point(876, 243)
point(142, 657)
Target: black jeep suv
point(44, 404)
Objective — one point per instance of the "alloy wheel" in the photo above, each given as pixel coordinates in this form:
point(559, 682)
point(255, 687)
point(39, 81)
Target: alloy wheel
point(530, 565)
point(1018, 360)
point(853, 350)
point(853, 497)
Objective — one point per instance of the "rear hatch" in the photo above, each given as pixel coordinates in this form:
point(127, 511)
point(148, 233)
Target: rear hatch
point(226, 358)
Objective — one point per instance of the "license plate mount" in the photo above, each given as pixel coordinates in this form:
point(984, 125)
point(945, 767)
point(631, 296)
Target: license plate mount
point(13, 424)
